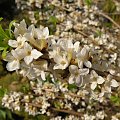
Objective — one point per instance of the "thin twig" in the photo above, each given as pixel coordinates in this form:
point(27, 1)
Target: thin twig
point(67, 111)
point(109, 18)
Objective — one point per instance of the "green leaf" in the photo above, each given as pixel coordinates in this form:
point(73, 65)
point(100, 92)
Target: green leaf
point(48, 79)
point(3, 91)
point(4, 53)
point(88, 2)
point(9, 114)
point(53, 20)
point(25, 88)
point(10, 27)
point(2, 115)
point(72, 86)
point(115, 99)
point(3, 35)
point(1, 18)
point(57, 104)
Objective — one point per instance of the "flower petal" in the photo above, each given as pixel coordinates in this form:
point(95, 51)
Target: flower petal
point(93, 85)
point(13, 43)
point(27, 47)
point(58, 59)
point(73, 69)
point(28, 59)
point(80, 64)
point(84, 71)
point(114, 83)
point(100, 80)
point(88, 64)
point(36, 54)
point(46, 32)
point(14, 65)
point(79, 81)
point(83, 52)
point(43, 75)
point(71, 79)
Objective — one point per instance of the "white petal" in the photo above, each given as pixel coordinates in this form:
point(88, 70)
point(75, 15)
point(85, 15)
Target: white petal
point(114, 83)
point(93, 85)
point(38, 33)
point(20, 53)
point(36, 54)
point(43, 75)
point(58, 59)
point(73, 69)
point(71, 79)
point(46, 32)
point(76, 46)
point(14, 65)
point(13, 43)
point(100, 80)
point(84, 71)
point(58, 66)
point(9, 57)
point(88, 64)
point(80, 64)
point(79, 80)
point(27, 47)
point(28, 59)
point(83, 52)
point(94, 74)
point(14, 53)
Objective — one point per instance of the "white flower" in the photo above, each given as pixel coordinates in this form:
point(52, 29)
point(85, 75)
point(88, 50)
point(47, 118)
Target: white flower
point(109, 83)
point(96, 80)
point(19, 43)
point(77, 74)
point(42, 34)
point(20, 29)
point(62, 62)
point(69, 46)
point(83, 58)
point(13, 59)
point(30, 53)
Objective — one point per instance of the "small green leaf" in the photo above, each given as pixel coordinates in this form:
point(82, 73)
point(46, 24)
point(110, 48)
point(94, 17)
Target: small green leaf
point(48, 79)
point(3, 91)
point(72, 86)
point(53, 20)
point(57, 104)
point(4, 53)
point(25, 88)
point(10, 27)
point(115, 99)
point(3, 35)
point(1, 18)
point(2, 115)
point(88, 2)
point(9, 114)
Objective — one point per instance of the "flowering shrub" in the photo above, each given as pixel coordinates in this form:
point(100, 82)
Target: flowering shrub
point(65, 75)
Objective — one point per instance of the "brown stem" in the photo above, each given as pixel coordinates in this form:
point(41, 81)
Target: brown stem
point(67, 111)
point(109, 18)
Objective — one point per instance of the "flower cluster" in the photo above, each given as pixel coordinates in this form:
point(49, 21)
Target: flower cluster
point(74, 71)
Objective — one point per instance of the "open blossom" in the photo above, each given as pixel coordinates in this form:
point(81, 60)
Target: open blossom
point(20, 29)
point(83, 57)
point(109, 83)
point(42, 34)
point(96, 80)
point(77, 74)
point(13, 59)
point(30, 53)
point(68, 45)
point(19, 43)
point(62, 62)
